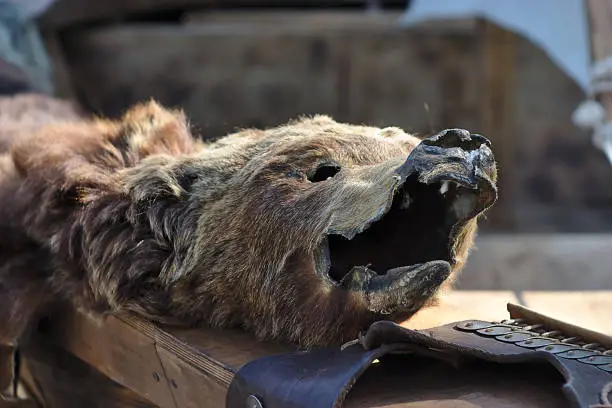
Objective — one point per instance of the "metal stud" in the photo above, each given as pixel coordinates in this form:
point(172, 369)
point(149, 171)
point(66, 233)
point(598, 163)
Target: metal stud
point(536, 342)
point(529, 336)
point(577, 354)
point(471, 325)
point(607, 367)
point(515, 337)
point(559, 348)
point(597, 360)
point(497, 330)
point(253, 402)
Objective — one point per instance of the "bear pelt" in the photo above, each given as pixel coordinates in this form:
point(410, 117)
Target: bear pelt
point(304, 233)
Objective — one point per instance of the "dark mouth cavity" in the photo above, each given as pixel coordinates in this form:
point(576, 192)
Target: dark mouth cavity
point(418, 228)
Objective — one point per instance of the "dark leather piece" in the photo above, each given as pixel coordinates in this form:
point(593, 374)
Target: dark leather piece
point(304, 379)
point(323, 378)
point(584, 382)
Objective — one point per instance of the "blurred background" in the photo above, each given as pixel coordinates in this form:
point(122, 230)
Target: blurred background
point(514, 71)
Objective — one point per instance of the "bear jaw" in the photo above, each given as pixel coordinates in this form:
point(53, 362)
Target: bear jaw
point(400, 256)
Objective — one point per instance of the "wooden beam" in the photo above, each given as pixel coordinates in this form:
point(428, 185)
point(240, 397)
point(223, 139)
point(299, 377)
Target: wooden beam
point(57, 379)
point(589, 309)
point(118, 351)
point(170, 368)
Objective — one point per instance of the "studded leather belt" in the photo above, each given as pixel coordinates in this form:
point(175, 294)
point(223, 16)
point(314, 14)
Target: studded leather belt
point(324, 377)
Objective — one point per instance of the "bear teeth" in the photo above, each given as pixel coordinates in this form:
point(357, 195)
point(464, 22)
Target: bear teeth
point(444, 187)
point(448, 185)
point(406, 201)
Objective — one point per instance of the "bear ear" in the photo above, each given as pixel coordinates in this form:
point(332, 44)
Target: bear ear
point(160, 177)
point(149, 129)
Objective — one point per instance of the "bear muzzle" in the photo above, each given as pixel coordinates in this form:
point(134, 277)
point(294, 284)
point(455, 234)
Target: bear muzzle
point(399, 258)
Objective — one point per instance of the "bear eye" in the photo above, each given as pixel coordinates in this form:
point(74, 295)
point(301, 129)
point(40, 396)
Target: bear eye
point(323, 172)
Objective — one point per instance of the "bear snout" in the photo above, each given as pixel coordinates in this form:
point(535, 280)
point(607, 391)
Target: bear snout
point(454, 155)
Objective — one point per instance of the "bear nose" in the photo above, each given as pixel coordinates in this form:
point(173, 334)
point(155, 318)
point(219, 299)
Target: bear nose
point(453, 155)
point(457, 138)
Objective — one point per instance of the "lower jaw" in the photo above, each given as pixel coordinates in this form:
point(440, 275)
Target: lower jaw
point(325, 268)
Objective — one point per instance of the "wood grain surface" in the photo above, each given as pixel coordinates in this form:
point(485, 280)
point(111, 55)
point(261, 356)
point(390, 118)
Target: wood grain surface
point(193, 368)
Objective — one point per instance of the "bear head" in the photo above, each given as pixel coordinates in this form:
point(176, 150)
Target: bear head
point(307, 232)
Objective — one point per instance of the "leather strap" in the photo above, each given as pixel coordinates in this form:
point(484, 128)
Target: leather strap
point(302, 379)
point(323, 378)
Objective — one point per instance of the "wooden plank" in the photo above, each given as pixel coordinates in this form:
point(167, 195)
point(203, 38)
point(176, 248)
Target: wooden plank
point(539, 262)
point(232, 347)
point(57, 379)
point(192, 387)
point(569, 330)
point(187, 369)
point(163, 368)
point(591, 310)
point(235, 348)
point(194, 352)
point(118, 351)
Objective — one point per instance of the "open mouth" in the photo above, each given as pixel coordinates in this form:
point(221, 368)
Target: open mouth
point(402, 257)
point(419, 227)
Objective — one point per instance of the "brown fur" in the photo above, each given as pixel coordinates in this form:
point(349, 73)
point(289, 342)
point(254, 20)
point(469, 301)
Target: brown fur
point(138, 216)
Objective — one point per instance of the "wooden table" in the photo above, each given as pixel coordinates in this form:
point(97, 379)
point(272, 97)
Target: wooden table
point(169, 368)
